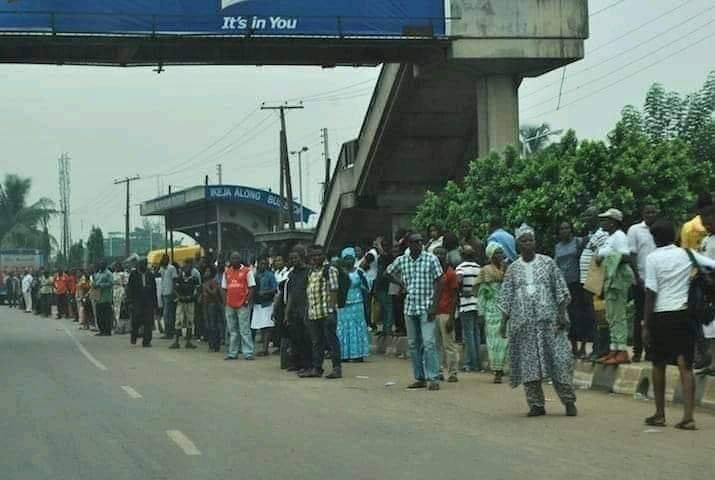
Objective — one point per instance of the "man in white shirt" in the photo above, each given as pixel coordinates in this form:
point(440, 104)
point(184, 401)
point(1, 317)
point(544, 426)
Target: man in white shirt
point(641, 244)
point(27, 291)
point(168, 277)
point(667, 327)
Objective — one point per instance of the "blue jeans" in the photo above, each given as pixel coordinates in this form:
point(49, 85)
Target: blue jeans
point(238, 322)
point(169, 314)
point(423, 347)
point(470, 331)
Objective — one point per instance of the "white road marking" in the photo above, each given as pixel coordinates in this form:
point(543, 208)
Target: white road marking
point(84, 351)
point(183, 442)
point(131, 392)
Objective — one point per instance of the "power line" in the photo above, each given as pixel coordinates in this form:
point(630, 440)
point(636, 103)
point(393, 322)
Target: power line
point(626, 77)
point(620, 54)
point(607, 7)
point(620, 69)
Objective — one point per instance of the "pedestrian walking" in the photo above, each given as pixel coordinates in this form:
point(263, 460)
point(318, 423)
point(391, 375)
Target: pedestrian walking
point(418, 272)
point(668, 329)
point(141, 297)
point(120, 279)
point(488, 286)
point(352, 324)
point(322, 293)
point(238, 284)
point(533, 299)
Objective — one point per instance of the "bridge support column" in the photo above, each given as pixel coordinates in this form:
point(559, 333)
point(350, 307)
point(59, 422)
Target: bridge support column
point(497, 112)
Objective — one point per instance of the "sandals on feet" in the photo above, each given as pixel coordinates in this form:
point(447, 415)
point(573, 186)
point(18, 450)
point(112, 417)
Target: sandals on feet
point(686, 425)
point(655, 421)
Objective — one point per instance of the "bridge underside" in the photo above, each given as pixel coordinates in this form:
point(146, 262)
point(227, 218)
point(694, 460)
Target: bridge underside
point(125, 50)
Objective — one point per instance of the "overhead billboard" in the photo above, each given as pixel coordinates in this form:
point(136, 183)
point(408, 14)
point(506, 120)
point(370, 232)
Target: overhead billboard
point(351, 18)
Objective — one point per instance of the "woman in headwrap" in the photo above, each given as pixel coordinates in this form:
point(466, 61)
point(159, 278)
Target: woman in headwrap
point(488, 285)
point(533, 299)
point(352, 326)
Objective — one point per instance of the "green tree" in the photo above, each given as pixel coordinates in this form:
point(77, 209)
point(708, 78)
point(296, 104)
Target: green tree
point(535, 136)
point(76, 255)
point(23, 225)
point(95, 246)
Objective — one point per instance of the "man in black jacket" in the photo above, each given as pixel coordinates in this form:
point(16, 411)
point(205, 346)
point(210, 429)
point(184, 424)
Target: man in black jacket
point(141, 294)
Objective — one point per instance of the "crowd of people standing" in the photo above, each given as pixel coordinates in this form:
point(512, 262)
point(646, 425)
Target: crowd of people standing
point(537, 314)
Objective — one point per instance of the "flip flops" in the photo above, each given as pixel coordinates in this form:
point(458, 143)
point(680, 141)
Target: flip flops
point(655, 421)
point(686, 425)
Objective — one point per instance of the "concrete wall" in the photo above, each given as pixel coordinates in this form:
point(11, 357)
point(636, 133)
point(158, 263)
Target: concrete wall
point(519, 19)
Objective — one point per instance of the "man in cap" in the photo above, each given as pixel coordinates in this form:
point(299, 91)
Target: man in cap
point(614, 255)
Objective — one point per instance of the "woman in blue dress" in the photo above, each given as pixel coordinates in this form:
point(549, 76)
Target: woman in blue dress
point(352, 327)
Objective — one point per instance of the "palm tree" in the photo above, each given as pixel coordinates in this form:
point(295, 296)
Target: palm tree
point(535, 136)
point(23, 225)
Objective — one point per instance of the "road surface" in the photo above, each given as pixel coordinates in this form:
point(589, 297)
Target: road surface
point(79, 407)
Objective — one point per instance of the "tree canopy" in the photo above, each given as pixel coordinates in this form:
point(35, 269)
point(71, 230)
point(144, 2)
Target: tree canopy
point(655, 156)
point(23, 224)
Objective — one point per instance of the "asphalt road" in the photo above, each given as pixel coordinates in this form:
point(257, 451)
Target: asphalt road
point(190, 415)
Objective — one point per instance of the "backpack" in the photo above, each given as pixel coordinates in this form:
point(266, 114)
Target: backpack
point(701, 295)
point(343, 284)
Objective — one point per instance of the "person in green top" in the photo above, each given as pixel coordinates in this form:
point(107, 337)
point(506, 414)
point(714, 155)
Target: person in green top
point(488, 285)
point(47, 289)
point(103, 281)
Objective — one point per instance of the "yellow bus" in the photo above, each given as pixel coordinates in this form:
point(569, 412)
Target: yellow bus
point(181, 254)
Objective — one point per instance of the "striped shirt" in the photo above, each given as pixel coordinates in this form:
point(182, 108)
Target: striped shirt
point(594, 242)
point(468, 272)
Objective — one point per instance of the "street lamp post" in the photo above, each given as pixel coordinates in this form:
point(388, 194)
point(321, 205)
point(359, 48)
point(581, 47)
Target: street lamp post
point(300, 182)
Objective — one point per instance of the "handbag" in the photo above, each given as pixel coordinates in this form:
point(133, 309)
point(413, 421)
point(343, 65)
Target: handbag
point(701, 294)
point(595, 278)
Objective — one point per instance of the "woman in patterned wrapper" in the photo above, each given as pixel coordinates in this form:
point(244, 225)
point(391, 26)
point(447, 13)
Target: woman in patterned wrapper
point(533, 299)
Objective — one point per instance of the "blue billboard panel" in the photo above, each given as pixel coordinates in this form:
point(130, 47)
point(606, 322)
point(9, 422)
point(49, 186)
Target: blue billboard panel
point(261, 198)
point(408, 18)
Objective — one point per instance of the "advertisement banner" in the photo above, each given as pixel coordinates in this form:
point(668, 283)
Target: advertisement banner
point(401, 18)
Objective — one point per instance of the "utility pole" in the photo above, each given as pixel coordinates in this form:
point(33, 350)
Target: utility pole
point(300, 181)
point(63, 167)
point(219, 173)
point(285, 165)
point(127, 181)
point(326, 155)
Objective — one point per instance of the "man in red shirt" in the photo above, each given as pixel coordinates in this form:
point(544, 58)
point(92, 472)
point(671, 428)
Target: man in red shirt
point(238, 284)
point(61, 293)
point(444, 310)
point(71, 295)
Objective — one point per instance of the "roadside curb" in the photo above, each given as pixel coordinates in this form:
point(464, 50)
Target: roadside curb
point(631, 379)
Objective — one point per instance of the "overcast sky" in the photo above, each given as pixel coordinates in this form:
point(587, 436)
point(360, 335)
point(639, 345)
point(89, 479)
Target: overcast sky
point(118, 122)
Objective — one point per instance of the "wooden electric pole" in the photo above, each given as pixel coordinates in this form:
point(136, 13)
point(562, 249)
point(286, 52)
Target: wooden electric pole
point(285, 167)
point(127, 181)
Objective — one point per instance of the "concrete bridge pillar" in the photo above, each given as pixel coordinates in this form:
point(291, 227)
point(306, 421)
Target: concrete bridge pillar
point(497, 112)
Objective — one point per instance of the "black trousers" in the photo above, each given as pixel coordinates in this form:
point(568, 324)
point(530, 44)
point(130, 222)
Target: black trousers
point(142, 317)
point(323, 334)
point(639, 301)
point(214, 320)
point(104, 318)
point(301, 348)
point(398, 312)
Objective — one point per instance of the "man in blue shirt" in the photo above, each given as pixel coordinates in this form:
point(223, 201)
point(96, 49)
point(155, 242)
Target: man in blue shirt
point(503, 238)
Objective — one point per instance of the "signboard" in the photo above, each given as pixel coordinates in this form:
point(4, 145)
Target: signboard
point(18, 260)
point(408, 18)
point(262, 198)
